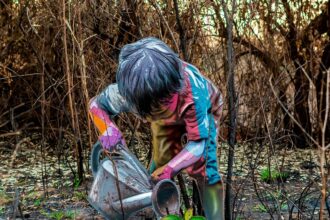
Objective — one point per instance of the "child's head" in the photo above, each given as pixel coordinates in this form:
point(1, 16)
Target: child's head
point(148, 74)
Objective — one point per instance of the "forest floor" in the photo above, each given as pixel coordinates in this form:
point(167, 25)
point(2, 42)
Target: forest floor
point(37, 184)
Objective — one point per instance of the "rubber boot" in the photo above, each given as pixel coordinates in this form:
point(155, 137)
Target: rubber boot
point(212, 199)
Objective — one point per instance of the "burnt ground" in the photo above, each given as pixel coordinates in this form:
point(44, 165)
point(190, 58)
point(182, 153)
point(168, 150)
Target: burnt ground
point(38, 182)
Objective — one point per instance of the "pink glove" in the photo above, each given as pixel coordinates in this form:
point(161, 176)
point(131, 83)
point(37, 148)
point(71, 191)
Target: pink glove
point(111, 137)
point(165, 172)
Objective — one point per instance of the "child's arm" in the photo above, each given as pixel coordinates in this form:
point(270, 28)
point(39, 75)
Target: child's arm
point(101, 107)
point(188, 156)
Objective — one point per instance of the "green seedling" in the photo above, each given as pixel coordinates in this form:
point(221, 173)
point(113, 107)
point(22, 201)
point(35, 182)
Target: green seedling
point(37, 202)
point(269, 176)
point(188, 214)
point(260, 208)
point(58, 215)
point(76, 183)
point(79, 195)
point(197, 218)
point(2, 210)
point(172, 217)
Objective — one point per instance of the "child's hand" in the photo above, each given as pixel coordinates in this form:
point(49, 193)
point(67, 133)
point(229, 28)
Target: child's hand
point(161, 173)
point(110, 138)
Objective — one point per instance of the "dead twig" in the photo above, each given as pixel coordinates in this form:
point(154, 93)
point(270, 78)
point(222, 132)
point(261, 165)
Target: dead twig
point(165, 22)
point(10, 134)
point(16, 205)
point(13, 157)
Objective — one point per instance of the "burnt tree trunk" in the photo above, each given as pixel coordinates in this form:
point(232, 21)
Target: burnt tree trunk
point(321, 80)
point(321, 89)
point(301, 109)
point(230, 67)
point(181, 31)
point(301, 84)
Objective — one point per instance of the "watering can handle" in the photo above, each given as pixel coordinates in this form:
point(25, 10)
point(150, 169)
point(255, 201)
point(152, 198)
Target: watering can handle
point(128, 156)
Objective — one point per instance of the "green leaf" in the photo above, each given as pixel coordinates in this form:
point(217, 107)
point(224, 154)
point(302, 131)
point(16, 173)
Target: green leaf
point(172, 217)
point(188, 214)
point(197, 218)
point(76, 182)
point(260, 208)
point(2, 210)
point(37, 202)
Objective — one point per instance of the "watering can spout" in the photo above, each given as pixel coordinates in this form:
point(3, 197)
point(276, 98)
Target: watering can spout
point(133, 203)
point(122, 188)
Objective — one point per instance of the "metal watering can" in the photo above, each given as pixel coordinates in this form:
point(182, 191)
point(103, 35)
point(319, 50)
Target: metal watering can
point(122, 187)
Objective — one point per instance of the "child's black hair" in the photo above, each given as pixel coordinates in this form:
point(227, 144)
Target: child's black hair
point(149, 72)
